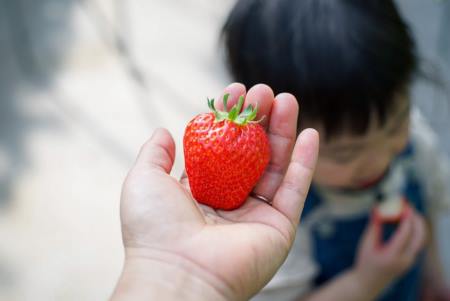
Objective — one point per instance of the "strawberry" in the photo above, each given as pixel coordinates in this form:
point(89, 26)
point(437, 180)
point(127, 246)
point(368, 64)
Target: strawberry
point(388, 214)
point(225, 152)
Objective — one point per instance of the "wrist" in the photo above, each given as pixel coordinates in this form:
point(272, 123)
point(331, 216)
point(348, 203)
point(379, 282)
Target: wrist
point(166, 277)
point(367, 285)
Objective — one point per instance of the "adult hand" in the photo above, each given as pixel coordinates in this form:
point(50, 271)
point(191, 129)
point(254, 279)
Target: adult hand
point(190, 251)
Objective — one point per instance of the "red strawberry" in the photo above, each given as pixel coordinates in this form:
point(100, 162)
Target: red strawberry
point(225, 154)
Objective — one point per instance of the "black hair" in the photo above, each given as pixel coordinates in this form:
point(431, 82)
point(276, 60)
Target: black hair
point(343, 59)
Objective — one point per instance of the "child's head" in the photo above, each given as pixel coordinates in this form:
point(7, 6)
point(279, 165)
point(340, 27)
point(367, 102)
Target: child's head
point(349, 62)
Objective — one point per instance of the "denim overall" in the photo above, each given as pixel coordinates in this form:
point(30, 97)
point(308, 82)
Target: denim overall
point(335, 252)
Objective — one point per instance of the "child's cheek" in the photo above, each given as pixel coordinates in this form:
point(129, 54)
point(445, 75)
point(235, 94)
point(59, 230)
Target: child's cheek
point(399, 143)
point(331, 174)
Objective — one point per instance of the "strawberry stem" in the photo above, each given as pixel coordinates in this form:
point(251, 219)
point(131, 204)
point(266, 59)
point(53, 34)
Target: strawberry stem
point(225, 102)
point(235, 115)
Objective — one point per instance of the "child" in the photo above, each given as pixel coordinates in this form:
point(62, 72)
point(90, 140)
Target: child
point(350, 63)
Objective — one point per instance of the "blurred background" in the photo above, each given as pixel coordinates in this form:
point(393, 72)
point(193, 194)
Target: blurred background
point(83, 83)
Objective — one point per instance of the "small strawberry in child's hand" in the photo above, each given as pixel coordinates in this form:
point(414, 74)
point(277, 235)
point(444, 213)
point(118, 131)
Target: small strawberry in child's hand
point(225, 152)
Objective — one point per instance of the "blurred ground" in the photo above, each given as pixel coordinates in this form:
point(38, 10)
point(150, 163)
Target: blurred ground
point(82, 85)
point(75, 108)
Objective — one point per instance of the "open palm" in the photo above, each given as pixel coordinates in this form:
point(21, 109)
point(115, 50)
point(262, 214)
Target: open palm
point(236, 251)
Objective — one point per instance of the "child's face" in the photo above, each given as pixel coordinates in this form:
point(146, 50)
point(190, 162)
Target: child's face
point(355, 162)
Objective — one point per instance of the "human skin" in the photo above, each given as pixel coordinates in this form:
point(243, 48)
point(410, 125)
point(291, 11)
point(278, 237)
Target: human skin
point(176, 249)
point(349, 162)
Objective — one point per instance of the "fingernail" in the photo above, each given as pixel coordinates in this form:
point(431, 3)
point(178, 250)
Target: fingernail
point(309, 140)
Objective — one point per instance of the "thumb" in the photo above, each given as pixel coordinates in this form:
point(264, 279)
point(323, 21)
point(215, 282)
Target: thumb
point(371, 235)
point(158, 152)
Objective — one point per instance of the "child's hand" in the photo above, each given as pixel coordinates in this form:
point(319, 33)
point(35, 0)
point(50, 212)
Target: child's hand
point(433, 294)
point(379, 264)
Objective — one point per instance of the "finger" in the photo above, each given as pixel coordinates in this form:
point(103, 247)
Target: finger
point(290, 196)
point(158, 152)
point(370, 237)
point(262, 96)
point(419, 236)
point(281, 133)
point(234, 91)
point(402, 236)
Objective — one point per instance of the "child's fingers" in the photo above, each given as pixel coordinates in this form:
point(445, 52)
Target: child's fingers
point(400, 239)
point(235, 90)
point(419, 236)
point(370, 236)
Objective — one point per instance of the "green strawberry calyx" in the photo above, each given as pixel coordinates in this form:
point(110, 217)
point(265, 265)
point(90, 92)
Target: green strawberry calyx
point(234, 114)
